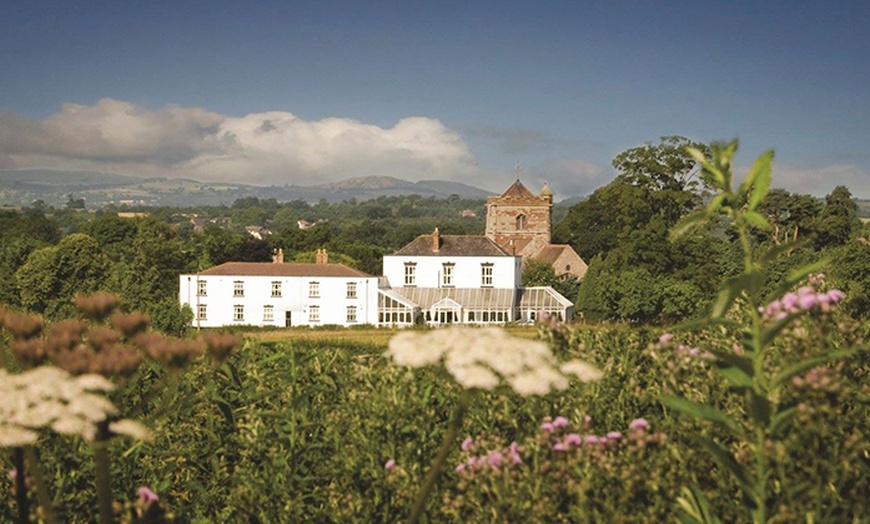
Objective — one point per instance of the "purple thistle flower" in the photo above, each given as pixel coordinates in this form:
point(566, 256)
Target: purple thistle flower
point(467, 444)
point(638, 423)
point(391, 464)
point(147, 496)
point(560, 422)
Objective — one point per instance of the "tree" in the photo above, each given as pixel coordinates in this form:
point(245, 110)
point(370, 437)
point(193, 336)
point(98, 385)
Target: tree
point(665, 166)
point(838, 219)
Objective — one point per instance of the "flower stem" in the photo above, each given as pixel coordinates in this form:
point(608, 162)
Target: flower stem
point(41, 489)
point(447, 444)
point(21, 486)
point(103, 480)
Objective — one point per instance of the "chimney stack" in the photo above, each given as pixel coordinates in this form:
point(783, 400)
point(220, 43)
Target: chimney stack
point(322, 257)
point(278, 256)
point(436, 240)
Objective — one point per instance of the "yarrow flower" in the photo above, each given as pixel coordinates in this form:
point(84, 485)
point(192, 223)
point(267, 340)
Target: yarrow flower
point(47, 397)
point(488, 357)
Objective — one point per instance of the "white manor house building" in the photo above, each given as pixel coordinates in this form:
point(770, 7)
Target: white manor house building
point(436, 279)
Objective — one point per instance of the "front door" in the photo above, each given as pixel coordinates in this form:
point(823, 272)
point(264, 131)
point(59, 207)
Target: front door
point(287, 322)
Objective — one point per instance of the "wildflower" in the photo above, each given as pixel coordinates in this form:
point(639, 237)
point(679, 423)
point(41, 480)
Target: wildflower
point(547, 426)
point(130, 428)
point(12, 474)
point(559, 446)
point(147, 496)
point(639, 424)
point(587, 420)
point(614, 435)
point(484, 358)
point(467, 444)
point(665, 339)
point(591, 439)
point(583, 371)
point(390, 464)
point(560, 422)
point(514, 453)
point(572, 439)
point(460, 468)
point(495, 458)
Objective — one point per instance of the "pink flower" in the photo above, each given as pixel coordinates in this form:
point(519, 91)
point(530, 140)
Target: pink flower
point(591, 439)
point(614, 435)
point(835, 295)
point(467, 444)
point(638, 423)
point(514, 452)
point(495, 458)
point(558, 446)
point(547, 426)
point(147, 496)
point(560, 422)
point(391, 464)
point(573, 439)
point(12, 474)
point(665, 338)
point(587, 419)
point(460, 468)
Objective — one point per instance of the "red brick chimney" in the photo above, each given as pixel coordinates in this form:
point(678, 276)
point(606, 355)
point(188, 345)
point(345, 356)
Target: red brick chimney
point(436, 240)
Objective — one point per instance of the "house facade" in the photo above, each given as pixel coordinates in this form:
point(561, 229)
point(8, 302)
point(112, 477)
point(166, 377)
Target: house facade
point(460, 279)
point(280, 295)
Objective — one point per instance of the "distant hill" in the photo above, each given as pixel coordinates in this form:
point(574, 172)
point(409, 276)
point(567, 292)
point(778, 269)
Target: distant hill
point(23, 187)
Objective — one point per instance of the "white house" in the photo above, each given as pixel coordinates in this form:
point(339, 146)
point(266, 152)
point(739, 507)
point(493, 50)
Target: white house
point(279, 294)
point(436, 279)
point(444, 279)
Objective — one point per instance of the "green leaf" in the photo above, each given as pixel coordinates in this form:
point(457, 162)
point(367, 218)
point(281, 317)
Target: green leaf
point(696, 507)
point(759, 407)
point(729, 293)
point(726, 460)
point(687, 222)
point(784, 376)
point(758, 180)
point(785, 247)
point(756, 219)
point(781, 419)
point(736, 376)
point(704, 412)
point(719, 179)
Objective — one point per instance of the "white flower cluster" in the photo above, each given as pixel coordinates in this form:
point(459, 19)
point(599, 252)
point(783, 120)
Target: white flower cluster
point(47, 397)
point(486, 357)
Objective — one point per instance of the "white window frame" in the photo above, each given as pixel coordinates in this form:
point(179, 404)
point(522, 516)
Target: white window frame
point(314, 290)
point(313, 314)
point(238, 313)
point(201, 288)
point(410, 274)
point(239, 288)
point(447, 274)
point(486, 275)
point(268, 313)
point(351, 314)
point(276, 288)
point(201, 312)
point(351, 290)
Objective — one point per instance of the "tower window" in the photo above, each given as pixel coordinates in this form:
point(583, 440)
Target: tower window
point(521, 222)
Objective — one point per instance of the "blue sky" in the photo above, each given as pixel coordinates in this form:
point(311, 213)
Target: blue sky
point(306, 92)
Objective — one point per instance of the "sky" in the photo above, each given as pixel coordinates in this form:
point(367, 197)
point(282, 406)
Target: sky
point(479, 92)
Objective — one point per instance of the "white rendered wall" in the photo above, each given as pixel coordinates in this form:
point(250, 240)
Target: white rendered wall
point(333, 302)
point(506, 271)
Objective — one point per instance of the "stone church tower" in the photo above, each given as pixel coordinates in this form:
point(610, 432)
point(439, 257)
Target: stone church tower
point(519, 221)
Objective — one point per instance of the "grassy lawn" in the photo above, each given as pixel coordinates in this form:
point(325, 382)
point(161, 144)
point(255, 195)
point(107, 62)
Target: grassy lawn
point(369, 336)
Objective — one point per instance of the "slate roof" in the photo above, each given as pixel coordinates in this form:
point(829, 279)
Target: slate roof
point(271, 269)
point(453, 246)
point(551, 252)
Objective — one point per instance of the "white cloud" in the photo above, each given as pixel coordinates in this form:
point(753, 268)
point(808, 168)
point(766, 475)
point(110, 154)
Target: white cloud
point(263, 148)
point(821, 181)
